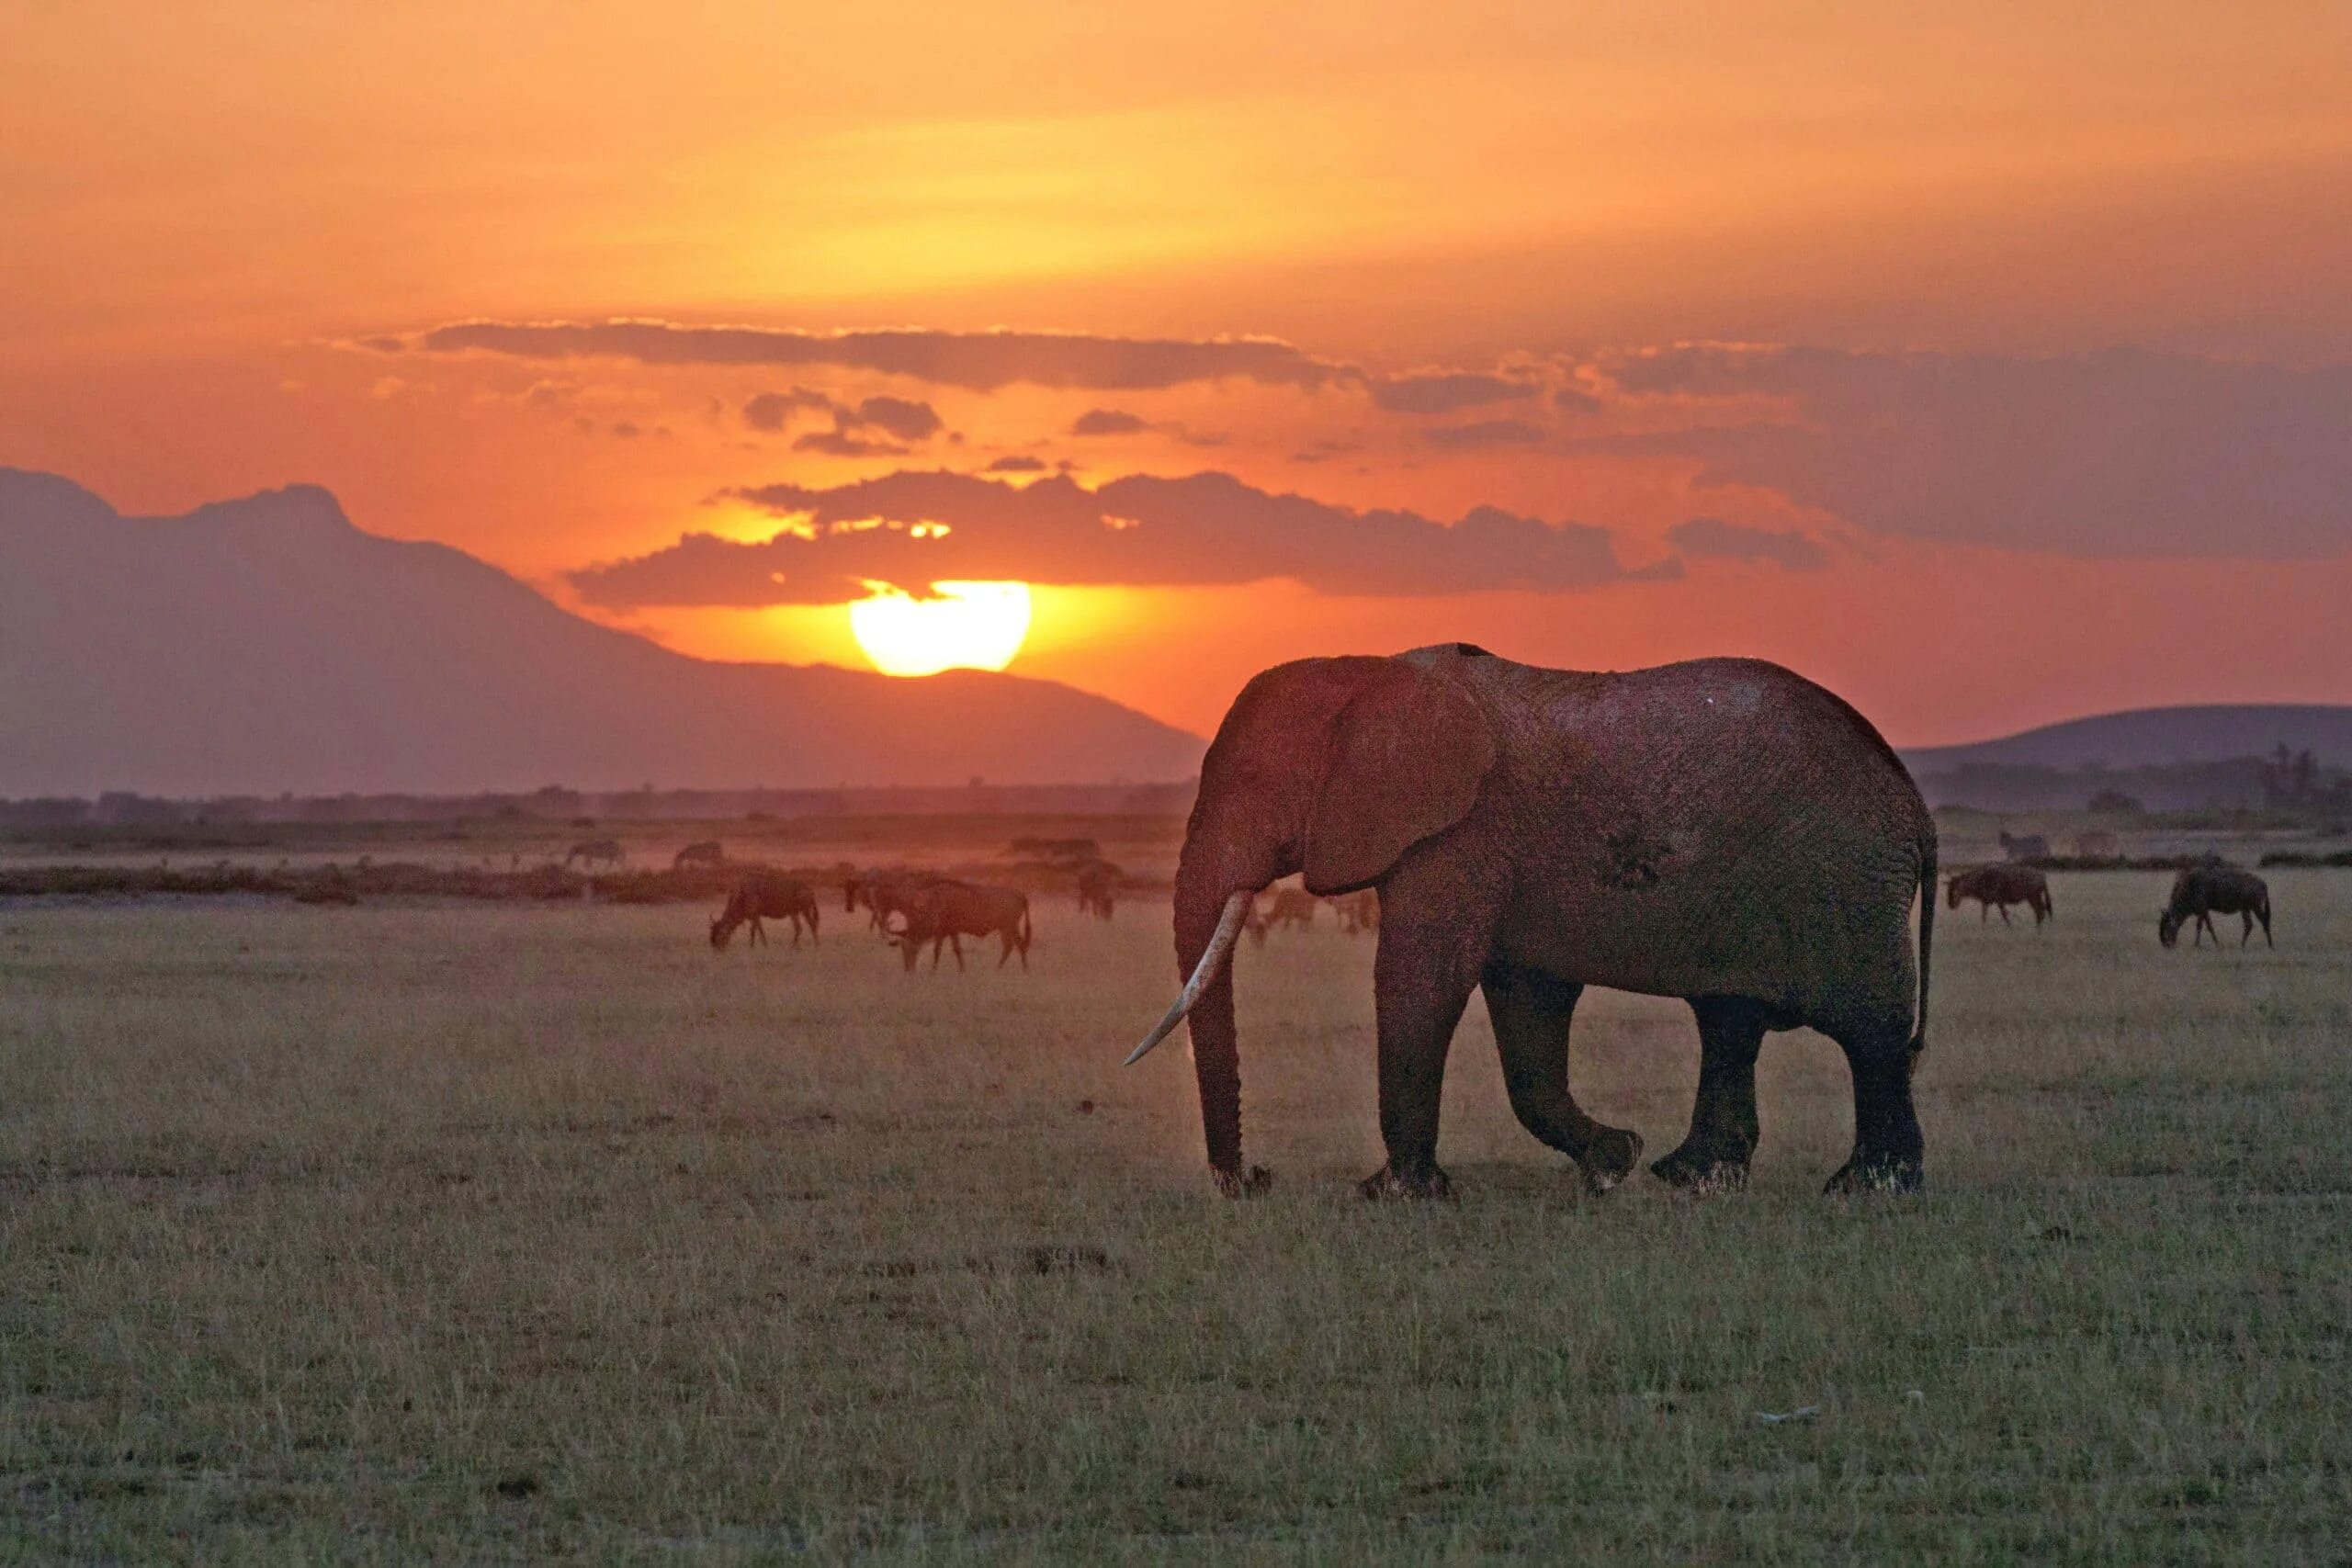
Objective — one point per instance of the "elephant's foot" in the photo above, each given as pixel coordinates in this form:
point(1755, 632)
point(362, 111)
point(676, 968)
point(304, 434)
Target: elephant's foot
point(1254, 1182)
point(1609, 1158)
point(1701, 1172)
point(1384, 1183)
point(1867, 1173)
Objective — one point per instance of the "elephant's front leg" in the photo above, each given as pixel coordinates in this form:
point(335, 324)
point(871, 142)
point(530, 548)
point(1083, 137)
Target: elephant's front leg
point(1723, 1127)
point(1530, 1012)
point(1420, 983)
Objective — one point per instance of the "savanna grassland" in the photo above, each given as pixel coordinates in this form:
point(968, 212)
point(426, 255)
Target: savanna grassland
point(502, 1231)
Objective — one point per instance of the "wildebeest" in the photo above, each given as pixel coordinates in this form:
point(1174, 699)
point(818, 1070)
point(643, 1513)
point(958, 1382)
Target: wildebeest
point(944, 912)
point(1098, 881)
point(595, 851)
point(1998, 886)
point(2099, 844)
point(1281, 907)
point(884, 893)
point(2028, 846)
point(703, 852)
point(1062, 852)
point(1358, 911)
point(762, 895)
point(2203, 891)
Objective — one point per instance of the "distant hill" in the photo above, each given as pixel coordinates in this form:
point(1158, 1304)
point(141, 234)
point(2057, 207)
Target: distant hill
point(2142, 737)
point(268, 645)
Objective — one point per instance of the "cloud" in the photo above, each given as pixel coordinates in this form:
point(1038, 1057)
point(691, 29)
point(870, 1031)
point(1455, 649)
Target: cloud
point(1711, 536)
point(2118, 454)
point(903, 424)
point(1486, 432)
point(621, 429)
point(1446, 392)
point(774, 411)
point(898, 417)
point(840, 442)
point(980, 361)
point(1017, 465)
point(1108, 421)
point(912, 528)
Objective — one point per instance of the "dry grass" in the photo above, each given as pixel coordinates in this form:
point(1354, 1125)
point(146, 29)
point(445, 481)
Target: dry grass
point(486, 1232)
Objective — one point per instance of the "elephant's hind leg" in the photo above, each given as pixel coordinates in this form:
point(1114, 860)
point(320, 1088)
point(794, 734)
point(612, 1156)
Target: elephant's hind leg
point(1530, 1012)
point(1889, 1154)
point(1724, 1126)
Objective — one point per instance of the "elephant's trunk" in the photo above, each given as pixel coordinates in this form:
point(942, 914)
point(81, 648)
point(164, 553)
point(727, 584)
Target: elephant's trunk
point(1217, 1053)
point(1219, 873)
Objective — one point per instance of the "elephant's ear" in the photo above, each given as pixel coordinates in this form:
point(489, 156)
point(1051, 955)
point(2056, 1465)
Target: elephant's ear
point(1407, 755)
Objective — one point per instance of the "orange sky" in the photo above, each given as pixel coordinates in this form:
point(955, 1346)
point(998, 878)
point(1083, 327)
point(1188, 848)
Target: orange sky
point(228, 226)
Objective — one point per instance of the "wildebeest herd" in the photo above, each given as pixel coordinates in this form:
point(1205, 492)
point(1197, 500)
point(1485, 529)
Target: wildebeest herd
point(912, 908)
point(2199, 892)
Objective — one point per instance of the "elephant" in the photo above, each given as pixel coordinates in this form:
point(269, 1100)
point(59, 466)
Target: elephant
point(1721, 831)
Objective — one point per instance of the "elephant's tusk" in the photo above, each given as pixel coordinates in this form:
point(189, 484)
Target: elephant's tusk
point(1228, 930)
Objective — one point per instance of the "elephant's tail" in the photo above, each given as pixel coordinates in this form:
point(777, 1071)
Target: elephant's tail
point(1927, 936)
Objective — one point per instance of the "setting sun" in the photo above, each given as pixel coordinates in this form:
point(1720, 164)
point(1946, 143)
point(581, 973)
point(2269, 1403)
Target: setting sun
point(968, 625)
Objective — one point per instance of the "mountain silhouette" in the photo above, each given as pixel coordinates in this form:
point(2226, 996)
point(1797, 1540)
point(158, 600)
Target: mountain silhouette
point(2141, 737)
point(268, 645)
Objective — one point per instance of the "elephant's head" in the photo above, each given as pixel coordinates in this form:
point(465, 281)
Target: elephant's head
point(1335, 767)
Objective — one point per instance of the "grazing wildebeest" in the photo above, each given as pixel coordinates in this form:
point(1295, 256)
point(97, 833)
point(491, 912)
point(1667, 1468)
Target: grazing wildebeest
point(2203, 891)
point(1097, 880)
point(946, 913)
point(1358, 911)
point(884, 893)
point(1281, 907)
point(2099, 844)
point(1998, 886)
point(764, 897)
point(1062, 852)
point(703, 852)
point(2030, 846)
point(595, 851)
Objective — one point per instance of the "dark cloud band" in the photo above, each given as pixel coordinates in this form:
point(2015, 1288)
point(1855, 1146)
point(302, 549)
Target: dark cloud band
point(984, 362)
point(912, 528)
